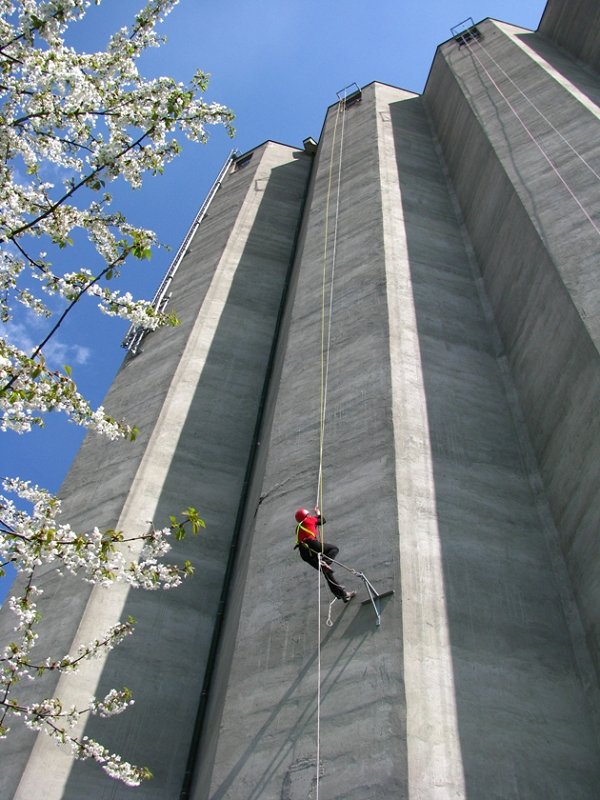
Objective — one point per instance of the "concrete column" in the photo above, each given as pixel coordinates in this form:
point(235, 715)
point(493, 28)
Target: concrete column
point(267, 738)
point(519, 129)
point(195, 391)
point(575, 27)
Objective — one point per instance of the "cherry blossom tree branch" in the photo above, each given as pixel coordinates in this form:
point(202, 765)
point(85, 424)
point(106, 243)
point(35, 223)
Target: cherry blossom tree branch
point(91, 118)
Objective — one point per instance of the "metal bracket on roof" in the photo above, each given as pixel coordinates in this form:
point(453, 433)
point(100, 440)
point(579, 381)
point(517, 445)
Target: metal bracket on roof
point(349, 98)
point(465, 32)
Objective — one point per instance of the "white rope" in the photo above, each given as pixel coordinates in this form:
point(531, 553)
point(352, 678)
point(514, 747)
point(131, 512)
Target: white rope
point(538, 110)
point(318, 681)
point(333, 265)
point(325, 350)
point(326, 340)
point(534, 140)
point(329, 621)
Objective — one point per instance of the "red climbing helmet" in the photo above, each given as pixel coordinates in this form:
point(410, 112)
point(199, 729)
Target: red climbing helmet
point(301, 514)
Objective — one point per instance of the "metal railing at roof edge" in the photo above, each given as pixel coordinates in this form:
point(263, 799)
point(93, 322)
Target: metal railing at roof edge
point(135, 334)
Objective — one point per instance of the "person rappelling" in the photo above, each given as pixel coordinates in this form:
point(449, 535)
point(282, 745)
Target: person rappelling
point(310, 546)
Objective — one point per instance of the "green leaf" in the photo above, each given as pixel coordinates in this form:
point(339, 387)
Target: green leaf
point(62, 242)
point(68, 370)
point(179, 532)
point(194, 519)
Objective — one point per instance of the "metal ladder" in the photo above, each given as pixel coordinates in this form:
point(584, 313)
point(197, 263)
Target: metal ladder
point(135, 334)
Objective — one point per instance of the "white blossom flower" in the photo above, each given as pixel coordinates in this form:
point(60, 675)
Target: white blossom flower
point(32, 538)
point(89, 118)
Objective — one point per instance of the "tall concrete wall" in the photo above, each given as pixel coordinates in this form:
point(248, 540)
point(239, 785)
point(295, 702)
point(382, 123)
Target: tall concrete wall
point(527, 186)
point(271, 687)
point(196, 393)
point(460, 459)
point(471, 686)
point(575, 27)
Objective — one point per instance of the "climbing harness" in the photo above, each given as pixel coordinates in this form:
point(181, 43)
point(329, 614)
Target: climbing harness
point(300, 527)
point(471, 38)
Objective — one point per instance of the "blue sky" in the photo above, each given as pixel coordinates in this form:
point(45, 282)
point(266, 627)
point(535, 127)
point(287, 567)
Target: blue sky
point(278, 65)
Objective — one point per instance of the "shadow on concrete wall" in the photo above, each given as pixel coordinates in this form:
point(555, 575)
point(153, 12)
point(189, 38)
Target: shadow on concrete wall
point(516, 686)
point(484, 72)
point(580, 75)
point(358, 630)
point(164, 662)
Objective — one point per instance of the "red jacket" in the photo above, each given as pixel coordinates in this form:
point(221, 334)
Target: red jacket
point(307, 529)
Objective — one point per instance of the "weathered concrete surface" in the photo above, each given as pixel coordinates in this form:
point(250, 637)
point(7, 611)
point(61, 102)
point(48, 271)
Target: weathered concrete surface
point(195, 392)
point(470, 688)
point(574, 26)
point(528, 189)
point(266, 743)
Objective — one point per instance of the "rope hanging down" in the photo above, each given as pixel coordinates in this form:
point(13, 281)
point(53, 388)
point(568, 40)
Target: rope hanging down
point(471, 43)
point(326, 339)
point(325, 350)
point(318, 681)
point(326, 326)
point(537, 110)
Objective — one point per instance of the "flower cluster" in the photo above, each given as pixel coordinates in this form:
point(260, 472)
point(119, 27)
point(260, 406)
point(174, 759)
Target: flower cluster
point(28, 389)
point(50, 717)
point(90, 118)
point(116, 701)
point(31, 538)
point(70, 124)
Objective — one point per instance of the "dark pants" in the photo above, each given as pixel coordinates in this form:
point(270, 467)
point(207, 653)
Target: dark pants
point(309, 550)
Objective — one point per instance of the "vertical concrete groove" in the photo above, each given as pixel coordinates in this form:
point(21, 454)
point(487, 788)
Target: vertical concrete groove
point(432, 728)
point(243, 511)
point(512, 32)
point(522, 168)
